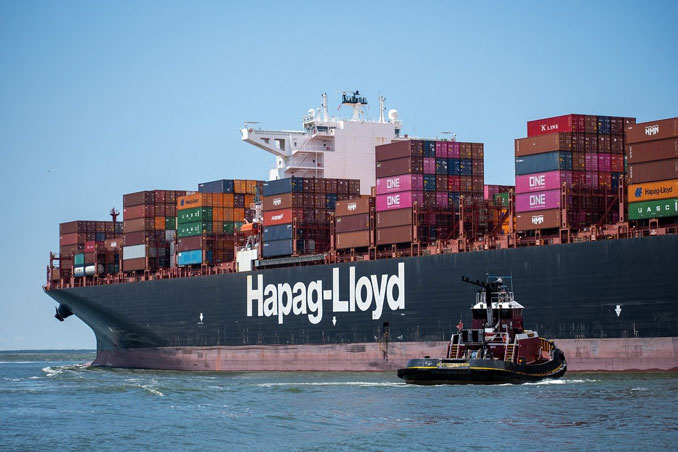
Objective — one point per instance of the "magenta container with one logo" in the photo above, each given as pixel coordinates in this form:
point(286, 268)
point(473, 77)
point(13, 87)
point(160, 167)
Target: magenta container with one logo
point(549, 180)
point(397, 184)
point(526, 202)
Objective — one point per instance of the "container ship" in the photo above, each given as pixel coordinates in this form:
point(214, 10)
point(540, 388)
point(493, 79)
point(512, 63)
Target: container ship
point(349, 257)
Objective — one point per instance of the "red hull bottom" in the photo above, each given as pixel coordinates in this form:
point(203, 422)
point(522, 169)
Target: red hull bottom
point(639, 354)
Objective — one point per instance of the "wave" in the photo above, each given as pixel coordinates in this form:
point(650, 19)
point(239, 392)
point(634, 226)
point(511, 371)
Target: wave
point(334, 383)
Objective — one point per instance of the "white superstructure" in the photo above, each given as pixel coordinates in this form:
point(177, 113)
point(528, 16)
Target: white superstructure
point(329, 147)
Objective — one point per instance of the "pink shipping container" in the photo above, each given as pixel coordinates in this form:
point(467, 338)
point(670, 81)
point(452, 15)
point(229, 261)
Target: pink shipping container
point(592, 179)
point(441, 199)
point(400, 183)
point(401, 200)
point(453, 150)
point(527, 202)
point(441, 149)
point(591, 161)
point(429, 165)
point(604, 163)
point(549, 180)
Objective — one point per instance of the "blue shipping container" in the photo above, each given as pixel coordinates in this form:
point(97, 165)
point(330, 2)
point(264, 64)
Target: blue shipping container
point(441, 166)
point(190, 257)
point(465, 167)
point(216, 186)
point(280, 186)
point(429, 182)
point(278, 232)
point(453, 167)
point(549, 161)
point(330, 201)
point(429, 148)
point(276, 248)
point(100, 236)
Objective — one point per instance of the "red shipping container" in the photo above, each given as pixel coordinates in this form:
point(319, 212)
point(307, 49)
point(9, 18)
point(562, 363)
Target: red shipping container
point(605, 180)
point(617, 163)
point(550, 125)
point(465, 150)
point(138, 211)
point(617, 144)
point(477, 151)
point(454, 183)
point(578, 142)
point(72, 239)
point(578, 161)
point(604, 143)
point(544, 219)
point(579, 178)
point(90, 247)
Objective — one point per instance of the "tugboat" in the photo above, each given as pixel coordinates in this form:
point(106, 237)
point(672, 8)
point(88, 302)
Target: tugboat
point(497, 349)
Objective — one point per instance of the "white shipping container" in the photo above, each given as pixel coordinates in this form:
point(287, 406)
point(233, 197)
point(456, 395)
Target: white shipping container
point(169, 235)
point(133, 252)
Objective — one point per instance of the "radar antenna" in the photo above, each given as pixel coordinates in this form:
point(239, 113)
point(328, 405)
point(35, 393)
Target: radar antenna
point(355, 100)
point(114, 214)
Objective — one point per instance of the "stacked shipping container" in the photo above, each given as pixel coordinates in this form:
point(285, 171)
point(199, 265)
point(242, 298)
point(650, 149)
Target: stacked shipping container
point(433, 174)
point(88, 247)
point(311, 202)
point(353, 223)
point(207, 221)
point(652, 156)
point(583, 152)
point(149, 228)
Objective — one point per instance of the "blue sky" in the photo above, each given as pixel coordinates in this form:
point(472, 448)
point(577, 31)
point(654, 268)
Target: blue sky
point(98, 99)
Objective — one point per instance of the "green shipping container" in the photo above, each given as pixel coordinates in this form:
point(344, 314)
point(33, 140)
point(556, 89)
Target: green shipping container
point(195, 228)
point(79, 259)
point(230, 226)
point(504, 197)
point(170, 223)
point(194, 214)
point(653, 209)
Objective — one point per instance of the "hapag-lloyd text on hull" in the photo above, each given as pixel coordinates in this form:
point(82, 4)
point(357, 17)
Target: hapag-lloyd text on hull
point(301, 298)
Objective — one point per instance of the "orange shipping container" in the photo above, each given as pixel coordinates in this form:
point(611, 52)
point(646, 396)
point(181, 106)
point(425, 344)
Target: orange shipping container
point(228, 214)
point(218, 200)
point(190, 201)
point(251, 187)
point(228, 199)
point(239, 214)
point(217, 227)
point(249, 199)
point(217, 214)
point(159, 223)
point(651, 191)
point(239, 186)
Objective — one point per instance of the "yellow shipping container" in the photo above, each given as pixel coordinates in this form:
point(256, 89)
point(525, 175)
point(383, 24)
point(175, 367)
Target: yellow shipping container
point(651, 191)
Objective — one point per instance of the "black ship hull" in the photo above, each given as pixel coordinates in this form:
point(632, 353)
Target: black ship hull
point(607, 290)
point(426, 371)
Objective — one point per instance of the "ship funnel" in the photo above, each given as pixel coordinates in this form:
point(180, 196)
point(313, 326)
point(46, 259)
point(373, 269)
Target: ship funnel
point(62, 312)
